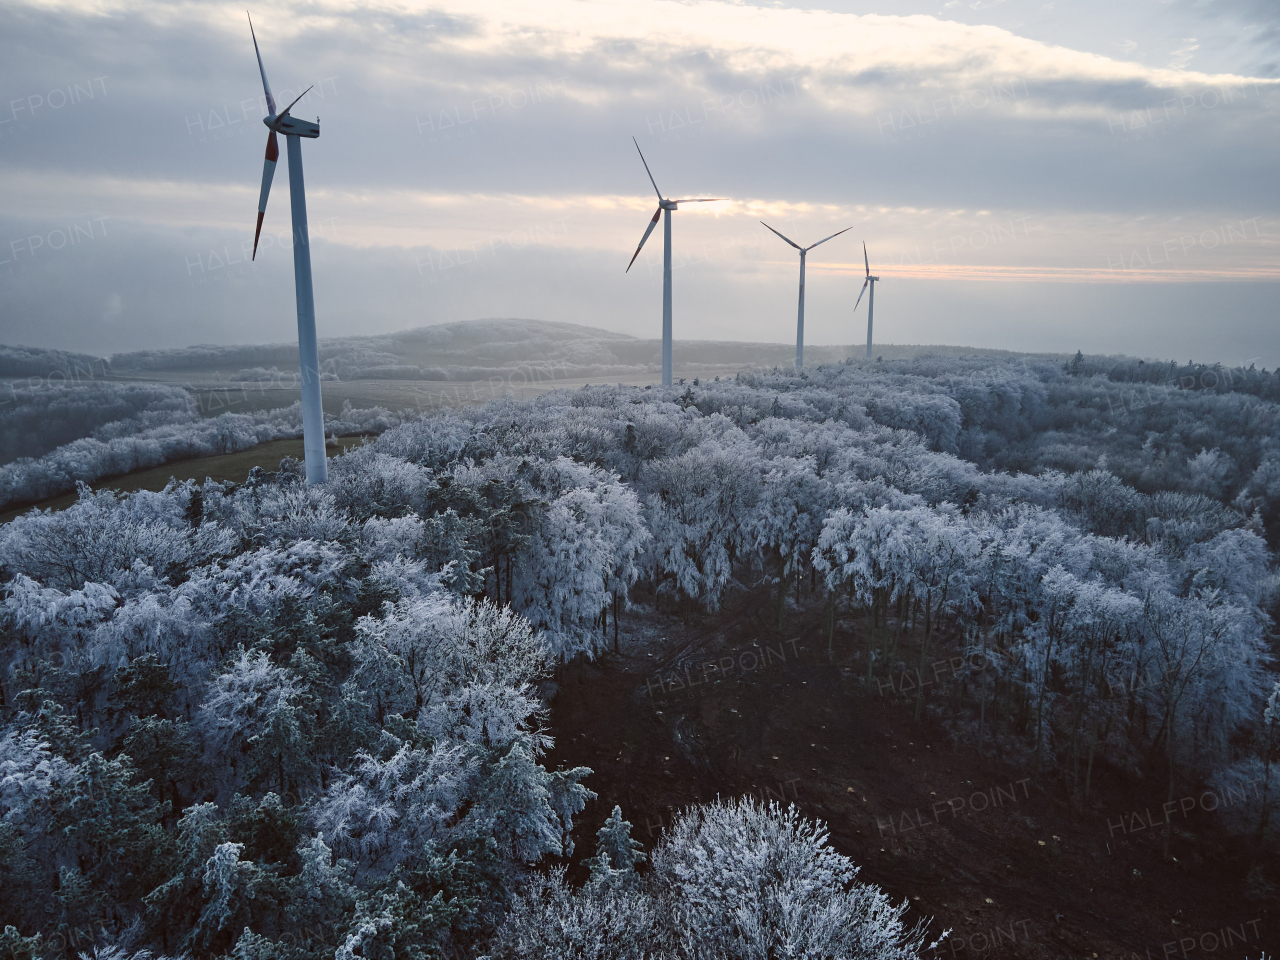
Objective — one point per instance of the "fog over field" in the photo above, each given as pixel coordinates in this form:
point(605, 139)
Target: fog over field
point(441, 554)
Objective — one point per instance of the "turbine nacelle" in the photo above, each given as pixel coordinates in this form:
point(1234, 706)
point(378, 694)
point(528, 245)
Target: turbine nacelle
point(286, 122)
point(290, 126)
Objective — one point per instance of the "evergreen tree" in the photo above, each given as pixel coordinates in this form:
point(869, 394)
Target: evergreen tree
point(614, 844)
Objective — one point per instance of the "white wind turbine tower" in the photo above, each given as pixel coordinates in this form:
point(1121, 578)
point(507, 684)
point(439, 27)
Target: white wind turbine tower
point(664, 206)
point(871, 303)
point(308, 351)
point(800, 312)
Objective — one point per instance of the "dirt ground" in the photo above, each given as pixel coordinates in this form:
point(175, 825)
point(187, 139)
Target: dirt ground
point(995, 853)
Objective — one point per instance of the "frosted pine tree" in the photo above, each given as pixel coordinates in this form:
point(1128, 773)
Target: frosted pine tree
point(616, 852)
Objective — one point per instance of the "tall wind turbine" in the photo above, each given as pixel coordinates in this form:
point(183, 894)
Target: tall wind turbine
point(308, 352)
point(800, 313)
point(871, 304)
point(664, 207)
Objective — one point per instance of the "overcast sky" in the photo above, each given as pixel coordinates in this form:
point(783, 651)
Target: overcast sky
point(1078, 174)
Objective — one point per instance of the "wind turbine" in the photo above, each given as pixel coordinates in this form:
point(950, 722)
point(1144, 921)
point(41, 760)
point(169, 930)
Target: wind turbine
point(800, 313)
point(664, 206)
point(308, 352)
point(871, 304)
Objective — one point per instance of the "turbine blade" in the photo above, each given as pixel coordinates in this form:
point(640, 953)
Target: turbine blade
point(767, 227)
point(268, 171)
point(865, 260)
point(702, 200)
point(860, 293)
point(646, 169)
point(296, 99)
point(825, 239)
point(652, 223)
point(266, 87)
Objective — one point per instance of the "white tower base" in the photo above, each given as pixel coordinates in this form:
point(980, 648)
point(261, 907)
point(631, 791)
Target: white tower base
point(308, 349)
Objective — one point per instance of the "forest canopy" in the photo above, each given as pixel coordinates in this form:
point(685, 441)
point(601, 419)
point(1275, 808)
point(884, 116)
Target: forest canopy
point(272, 719)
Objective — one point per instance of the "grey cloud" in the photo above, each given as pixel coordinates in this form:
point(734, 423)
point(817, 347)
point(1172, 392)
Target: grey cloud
point(380, 115)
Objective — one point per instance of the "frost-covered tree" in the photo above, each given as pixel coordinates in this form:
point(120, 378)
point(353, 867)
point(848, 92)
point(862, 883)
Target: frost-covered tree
point(1204, 669)
point(550, 919)
point(700, 508)
point(253, 725)
point(384, 810)
point(744, 879)
point(462, 674)
point(616, 852)
point(789, 517)
point(584, 547)
point(730, 879)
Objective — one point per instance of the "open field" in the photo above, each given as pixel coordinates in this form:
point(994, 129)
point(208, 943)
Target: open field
point(420, 396)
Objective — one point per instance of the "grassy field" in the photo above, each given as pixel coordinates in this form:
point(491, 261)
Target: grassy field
point(419, 396)
point(230, 466)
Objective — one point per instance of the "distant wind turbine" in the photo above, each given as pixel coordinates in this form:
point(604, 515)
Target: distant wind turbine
point(871, 304)
point(308, 351)
point(664, 206)
point(800, 313)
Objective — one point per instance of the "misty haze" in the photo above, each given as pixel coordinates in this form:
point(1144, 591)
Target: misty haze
point(619, 480)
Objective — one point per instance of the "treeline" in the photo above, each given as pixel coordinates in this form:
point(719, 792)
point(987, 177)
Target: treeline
point(35, 419)
point(343, 359)
point(39, 362)
point(181, 434)
point(1192, 433)
point(1113, 625)
point(1185, 376)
